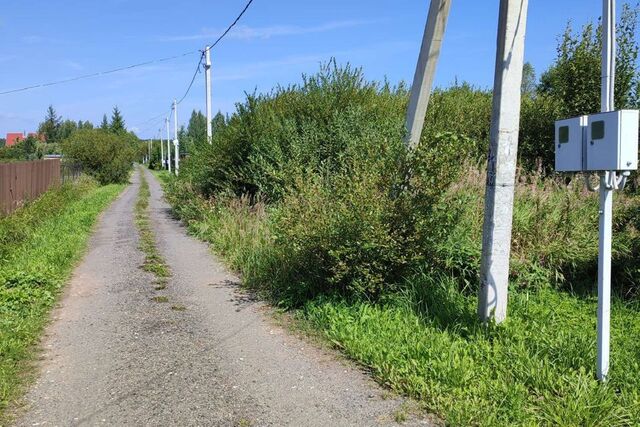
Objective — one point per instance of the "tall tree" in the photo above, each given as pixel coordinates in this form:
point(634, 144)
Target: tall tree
point(528, 86)
point(50, 127)
point(66, 129)
point(117, 122)
point(104, 125)
point(197, 127)
point(218, 122)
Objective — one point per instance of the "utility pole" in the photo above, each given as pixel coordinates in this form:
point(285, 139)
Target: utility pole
point(161, 149)
point(608, 68)
point(501, 167)
point(207, 83)
point(166, 121)
point(176, 144)
point(426, 70)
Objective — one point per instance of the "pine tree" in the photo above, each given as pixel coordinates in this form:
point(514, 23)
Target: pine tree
point(197, 127)
point(117, 122)
point(51, 126)
point(104, 125)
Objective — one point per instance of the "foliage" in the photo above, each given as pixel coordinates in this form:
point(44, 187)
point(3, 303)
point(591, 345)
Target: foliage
point(536, 369)
point(117, 125)
point(50, 127)
point(106, 156)
point(39, 245)
point(574, 79)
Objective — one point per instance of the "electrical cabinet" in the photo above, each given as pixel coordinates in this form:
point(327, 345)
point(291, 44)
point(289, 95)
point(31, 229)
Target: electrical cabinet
point(612, 141)
point(598, 142)
point(569, 144)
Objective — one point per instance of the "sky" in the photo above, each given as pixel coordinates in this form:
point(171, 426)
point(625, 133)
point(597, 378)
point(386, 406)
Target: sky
point(274, 44)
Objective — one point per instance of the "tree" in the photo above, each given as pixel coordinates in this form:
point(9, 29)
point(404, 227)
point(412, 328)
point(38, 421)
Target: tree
point(50, 127)
point(219, 122)
point(104, 125)
point(197, 128)
point(66, 129)
point(117, 122)
point(529, 84)
point(573, 81)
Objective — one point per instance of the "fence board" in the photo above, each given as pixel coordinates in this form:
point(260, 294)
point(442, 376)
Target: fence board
point(24, 181)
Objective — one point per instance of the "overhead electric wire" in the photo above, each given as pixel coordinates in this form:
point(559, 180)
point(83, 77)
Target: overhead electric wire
point(218, 40)
point(233, 24)
point(100, 73)
point(193, 79)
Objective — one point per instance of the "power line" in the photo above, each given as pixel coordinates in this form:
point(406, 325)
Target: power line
point(128, 67)
point(100, 73)
point(233, 24)
point(193, 79)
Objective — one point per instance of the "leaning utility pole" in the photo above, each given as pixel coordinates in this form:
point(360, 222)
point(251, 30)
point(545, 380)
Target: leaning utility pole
point(207, 83)
point(426, 70)
point(166, 121)
point(501, 167)
point(176, 144)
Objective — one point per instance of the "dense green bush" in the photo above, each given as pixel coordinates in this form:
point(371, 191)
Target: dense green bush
point(106, 156)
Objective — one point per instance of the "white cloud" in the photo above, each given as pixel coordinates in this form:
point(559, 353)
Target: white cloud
point(245, 32)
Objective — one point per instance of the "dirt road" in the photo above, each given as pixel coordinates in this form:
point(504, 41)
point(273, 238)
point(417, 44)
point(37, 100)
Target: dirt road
point(207, 356)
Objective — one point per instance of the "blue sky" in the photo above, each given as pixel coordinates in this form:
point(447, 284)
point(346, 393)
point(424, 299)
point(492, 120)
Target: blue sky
point(275, 43)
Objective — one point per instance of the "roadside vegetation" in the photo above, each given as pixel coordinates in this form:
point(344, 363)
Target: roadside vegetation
point(154, 262)
point(304, 191)
point(39, 245)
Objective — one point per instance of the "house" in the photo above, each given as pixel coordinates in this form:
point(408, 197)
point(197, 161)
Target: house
point(14, 137)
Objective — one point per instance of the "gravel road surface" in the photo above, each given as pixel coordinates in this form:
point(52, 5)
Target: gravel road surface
point(210, 355)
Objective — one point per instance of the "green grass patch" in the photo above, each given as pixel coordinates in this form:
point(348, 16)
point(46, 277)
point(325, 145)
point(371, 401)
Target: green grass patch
point(154, 262)
point(39, 246)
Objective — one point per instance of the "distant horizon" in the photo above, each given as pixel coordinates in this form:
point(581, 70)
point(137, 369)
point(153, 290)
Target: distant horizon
point(272, 45)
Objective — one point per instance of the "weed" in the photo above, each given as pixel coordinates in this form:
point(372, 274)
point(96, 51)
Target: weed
point(161, 299)
point(178, 307)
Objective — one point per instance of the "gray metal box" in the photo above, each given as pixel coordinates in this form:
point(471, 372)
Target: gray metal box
point(612, 141)
point(570, 144)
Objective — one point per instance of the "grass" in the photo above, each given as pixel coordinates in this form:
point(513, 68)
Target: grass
point(537, 368)
point(39, 246)
point(153, 262)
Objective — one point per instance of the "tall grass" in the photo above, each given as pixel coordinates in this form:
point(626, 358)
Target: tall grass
point(40, 245)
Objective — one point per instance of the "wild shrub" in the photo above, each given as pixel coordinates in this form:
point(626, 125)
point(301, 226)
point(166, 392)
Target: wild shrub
point(106, 156)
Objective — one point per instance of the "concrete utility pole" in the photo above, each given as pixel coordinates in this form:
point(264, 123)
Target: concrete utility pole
point(176, 144)
point(161, 149)
point(501, 168)
point(207, 83)
point(166, 121)
point(606, 193)
point(426, 70)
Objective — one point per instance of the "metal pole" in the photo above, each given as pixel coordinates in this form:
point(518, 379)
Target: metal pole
point(176, 144)
point(166, 121)
point(501, 167)
point(606, 194)
point(426, 70)
point(207, 80)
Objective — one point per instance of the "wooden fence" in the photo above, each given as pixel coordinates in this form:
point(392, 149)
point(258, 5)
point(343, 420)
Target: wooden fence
point(23, 181)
